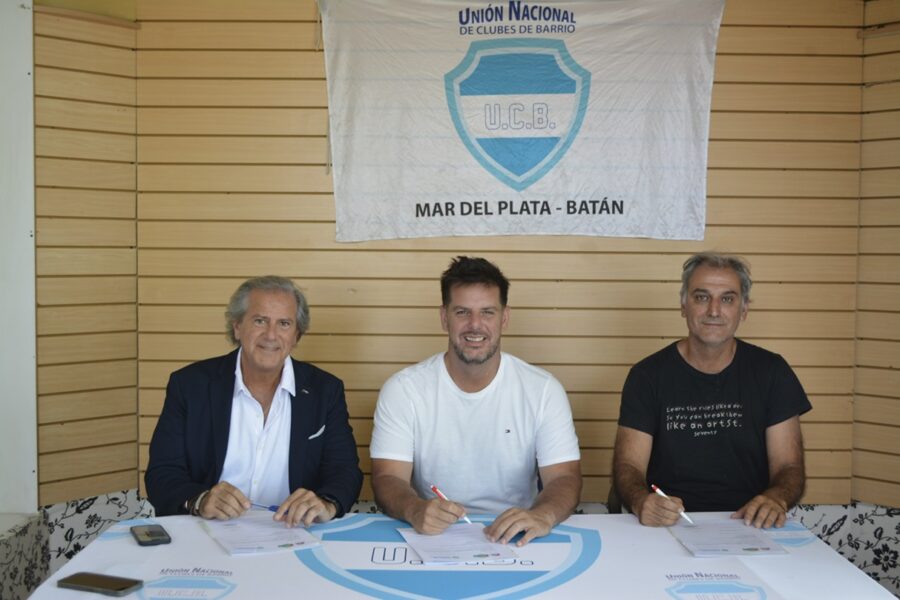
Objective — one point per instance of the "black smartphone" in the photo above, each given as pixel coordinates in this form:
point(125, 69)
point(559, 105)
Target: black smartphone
point(102, 584)
point(150, 535)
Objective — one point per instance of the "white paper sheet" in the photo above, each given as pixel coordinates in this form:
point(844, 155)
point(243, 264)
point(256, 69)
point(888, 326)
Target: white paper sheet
point(255, 533)
point(458, 543)
point(725, 537)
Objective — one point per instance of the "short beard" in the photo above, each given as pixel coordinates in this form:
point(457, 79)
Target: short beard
point(474, 361)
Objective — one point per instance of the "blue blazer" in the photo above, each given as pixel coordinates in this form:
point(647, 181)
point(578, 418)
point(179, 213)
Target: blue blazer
point(188, 448)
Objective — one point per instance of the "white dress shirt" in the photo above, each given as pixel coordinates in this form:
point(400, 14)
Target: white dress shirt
point(256, 461)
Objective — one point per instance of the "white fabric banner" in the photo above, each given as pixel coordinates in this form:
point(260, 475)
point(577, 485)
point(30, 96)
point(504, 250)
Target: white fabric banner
point(452, 117)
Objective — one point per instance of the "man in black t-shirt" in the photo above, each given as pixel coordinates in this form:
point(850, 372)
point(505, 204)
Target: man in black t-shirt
point(712, 420)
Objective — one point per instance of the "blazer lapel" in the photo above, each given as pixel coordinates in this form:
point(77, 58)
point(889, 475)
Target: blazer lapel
point(301, 417)
point(221, 395)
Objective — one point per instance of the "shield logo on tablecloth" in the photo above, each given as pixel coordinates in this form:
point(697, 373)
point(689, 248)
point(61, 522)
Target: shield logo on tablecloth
point(199, 588)
point(701, 590)
point(365, 553)
point(793, 533)
point(518, 105)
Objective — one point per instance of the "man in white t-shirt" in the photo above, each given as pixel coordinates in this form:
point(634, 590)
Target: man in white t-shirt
point(490, 431)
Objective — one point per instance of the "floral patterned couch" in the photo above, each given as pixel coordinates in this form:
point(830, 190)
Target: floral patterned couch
point(31, 552)
point(865, 534)
point(73, 525)
point(24, 556)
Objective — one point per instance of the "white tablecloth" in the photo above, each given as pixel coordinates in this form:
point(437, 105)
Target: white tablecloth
point(362, 556)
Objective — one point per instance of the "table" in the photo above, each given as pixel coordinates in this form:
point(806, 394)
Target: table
point(363, 556)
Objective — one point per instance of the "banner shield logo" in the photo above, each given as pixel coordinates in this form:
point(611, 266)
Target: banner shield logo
point(518, 105)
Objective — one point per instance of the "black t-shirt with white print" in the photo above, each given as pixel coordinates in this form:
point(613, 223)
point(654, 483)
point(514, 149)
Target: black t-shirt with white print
point(709, 431)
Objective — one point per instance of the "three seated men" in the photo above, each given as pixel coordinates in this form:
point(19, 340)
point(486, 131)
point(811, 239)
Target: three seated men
point(711, 419)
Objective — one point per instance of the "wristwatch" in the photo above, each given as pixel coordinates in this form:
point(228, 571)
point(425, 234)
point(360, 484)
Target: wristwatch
point(193, 505)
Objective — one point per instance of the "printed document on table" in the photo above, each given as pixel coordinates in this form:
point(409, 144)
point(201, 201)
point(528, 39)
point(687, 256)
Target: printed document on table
point(724, 537)
point(255, 532)
point(458, 543)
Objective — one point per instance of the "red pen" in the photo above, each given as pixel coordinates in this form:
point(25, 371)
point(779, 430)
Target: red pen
point(441, 495)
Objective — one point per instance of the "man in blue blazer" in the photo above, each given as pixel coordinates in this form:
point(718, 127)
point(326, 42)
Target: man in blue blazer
point(255, 426)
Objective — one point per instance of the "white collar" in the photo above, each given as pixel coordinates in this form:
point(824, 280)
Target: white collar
point(287, 382)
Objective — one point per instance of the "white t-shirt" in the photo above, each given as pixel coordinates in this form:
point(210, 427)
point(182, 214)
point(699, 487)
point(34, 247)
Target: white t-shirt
point(256, 461)
point(482, 449)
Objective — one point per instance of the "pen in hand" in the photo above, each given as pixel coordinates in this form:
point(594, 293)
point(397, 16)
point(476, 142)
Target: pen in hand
point(441, 495)
point(272, 507)
point(659, 492)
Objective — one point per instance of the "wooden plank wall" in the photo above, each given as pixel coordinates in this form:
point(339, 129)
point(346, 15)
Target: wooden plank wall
point(876, 431)
point(86, 258)
point(231, 123)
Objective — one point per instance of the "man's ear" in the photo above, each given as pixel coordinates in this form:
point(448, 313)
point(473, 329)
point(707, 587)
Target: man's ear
point(444, 324)
point(504, 318)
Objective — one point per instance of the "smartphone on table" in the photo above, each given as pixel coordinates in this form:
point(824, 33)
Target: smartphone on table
point(150, 535)
point(102, 584)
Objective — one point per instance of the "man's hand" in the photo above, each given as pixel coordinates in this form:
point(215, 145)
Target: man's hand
point(656, 511)
point(763, 511)
point(784, 446)
point(434, 516)
point(395, 496)
point(304, 506)
point(511, 522)
point(562, 488)
point(223, 502)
